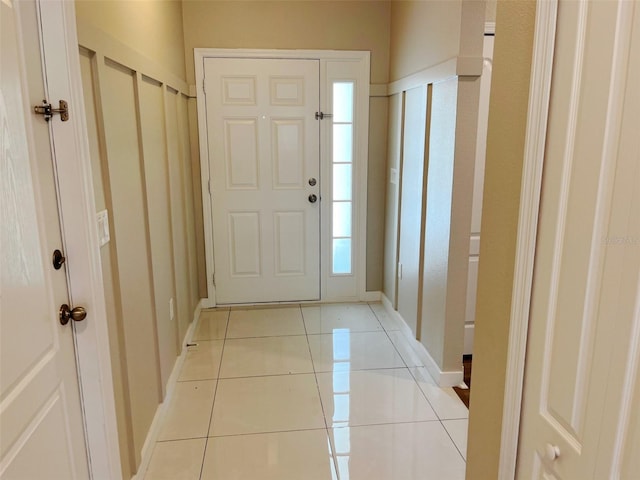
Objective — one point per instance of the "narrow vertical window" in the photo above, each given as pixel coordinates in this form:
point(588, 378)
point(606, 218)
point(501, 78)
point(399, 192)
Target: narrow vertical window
point(342, 163)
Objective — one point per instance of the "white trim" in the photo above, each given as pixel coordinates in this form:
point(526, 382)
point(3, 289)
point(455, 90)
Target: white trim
point(361, 148)
point(538, 112)
point(455, 66)
point(80, 236)
point(371, 296)
point(96, 40)
point(489, 28)
point(442, 378)
point(161, 411)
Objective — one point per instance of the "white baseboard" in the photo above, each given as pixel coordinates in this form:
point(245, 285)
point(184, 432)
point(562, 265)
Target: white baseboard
point(442, 378)
point(469, 332)
point(371, 297)
point(207, 303)
point(161, 411)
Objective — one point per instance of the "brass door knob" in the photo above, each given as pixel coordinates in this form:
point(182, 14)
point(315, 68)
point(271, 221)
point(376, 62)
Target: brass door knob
point(77, 314)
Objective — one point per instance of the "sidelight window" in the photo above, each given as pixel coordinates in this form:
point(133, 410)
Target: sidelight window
point(342, 173)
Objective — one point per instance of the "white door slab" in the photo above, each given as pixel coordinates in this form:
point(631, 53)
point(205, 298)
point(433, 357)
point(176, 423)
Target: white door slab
point(264, 151)
point(582, 392)
point(42, 432)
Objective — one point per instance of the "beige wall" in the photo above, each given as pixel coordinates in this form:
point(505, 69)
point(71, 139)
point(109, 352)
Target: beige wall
point(492, 6)
point(422, 34)
point(137, 114)
point(152, 28)
point(391, 213)
point(505, 150)
point(315, 24)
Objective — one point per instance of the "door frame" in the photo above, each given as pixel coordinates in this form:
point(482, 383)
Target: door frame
point(535, 142)
point(80, 238)
point(361, 61)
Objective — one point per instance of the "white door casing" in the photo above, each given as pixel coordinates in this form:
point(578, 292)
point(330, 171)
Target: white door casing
point(265, 166)
point(335, 66)
point(581, 395)
point(50, 26)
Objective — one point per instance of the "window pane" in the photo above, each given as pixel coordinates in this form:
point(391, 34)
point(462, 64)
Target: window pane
point(342, 143)
point(342, 255)
point(342, 182)
point(342, 219)
point(343, 102)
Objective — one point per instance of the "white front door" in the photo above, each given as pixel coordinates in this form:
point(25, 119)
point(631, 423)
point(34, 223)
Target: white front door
point(264, 164)
point(581, 404)
point(41, 426)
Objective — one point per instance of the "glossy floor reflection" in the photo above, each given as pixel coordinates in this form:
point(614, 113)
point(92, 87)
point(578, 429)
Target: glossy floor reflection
point(307, 392)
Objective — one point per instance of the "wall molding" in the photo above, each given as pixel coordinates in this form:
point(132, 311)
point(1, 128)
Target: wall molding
point(538, 113)
point(442, 378)
point(375, 296)
point(455, 66)
point(98, 41)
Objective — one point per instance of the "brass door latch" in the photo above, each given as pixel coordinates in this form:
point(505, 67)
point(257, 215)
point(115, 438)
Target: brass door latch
point(48, 111)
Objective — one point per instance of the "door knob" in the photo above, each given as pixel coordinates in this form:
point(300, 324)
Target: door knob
point(312, 182)
point(312, 198)
point(551, 452)
point(76, 314)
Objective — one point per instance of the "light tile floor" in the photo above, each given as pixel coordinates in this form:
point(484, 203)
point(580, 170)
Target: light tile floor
point(322, 392)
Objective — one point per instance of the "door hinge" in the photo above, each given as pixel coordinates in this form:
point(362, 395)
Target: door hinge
point(214, 279)
point(204, 86)
point(209, 186)
point(322, 116)
point(48, 111)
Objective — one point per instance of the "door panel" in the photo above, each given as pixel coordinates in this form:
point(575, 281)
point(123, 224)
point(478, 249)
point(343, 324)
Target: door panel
point(584, 328)
point(263, 147)
point(40, 415)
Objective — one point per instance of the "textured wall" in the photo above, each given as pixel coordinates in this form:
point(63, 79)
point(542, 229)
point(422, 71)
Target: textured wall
point(503, 172)
point(150, 27)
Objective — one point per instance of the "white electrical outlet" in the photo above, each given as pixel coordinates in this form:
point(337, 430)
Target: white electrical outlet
point(171, 310)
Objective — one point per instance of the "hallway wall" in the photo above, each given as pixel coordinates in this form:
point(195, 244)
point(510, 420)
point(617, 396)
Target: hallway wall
point(440, 44)
point(503, 173)
point(138, 125)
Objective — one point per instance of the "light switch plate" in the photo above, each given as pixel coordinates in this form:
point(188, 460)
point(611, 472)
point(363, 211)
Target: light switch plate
point(103, 227)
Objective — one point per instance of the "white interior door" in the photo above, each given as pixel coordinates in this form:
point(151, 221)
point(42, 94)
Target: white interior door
point(264, 164)
point(42, 433)
point(580, 417)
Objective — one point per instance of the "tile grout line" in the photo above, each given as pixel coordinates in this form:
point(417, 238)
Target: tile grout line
point(206, 443)
point(453, 441)
point(324, 415)
point(418, 385)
